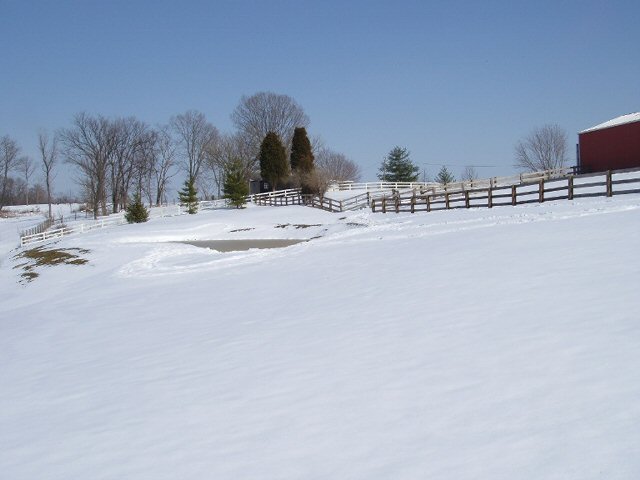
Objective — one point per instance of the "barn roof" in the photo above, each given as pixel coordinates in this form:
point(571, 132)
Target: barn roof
point(628, 118)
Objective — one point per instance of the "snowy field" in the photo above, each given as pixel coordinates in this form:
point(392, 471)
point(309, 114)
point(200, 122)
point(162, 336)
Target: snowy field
point(468, 344)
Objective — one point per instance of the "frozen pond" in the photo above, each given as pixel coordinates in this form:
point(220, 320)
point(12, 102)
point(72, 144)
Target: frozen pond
point(239, 245)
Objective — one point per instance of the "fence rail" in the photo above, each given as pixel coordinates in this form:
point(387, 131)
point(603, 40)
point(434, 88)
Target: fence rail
point(572, 187)
point(50, 234)
point(41, 227)
point(465, 185)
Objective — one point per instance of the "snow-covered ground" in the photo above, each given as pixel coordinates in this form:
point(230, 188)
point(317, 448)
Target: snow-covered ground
point(469, 344)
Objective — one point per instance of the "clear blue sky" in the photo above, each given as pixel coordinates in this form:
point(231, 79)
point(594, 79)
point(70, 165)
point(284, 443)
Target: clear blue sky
point(456, 83)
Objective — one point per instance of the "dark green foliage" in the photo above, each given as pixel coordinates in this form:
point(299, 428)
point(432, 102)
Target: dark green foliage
point(445, 176)
point(136, 211)
point(273, 160)
point(236, 187)
point(189, 196)
point(301, 154)
point(398, 167)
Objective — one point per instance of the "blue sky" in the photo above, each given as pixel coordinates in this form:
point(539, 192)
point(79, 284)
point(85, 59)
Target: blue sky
point(457, 83)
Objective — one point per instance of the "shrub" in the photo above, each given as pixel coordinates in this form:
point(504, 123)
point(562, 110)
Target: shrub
point(136, 211)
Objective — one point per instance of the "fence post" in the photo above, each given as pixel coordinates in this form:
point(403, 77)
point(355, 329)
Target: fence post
point(373, 206)
point(446, 199)
point(428, 203)
point(570, 187)
point(413, 202)
point(397, 202)
point(541, 191)
point(514, 198)
point(466, 198)
point(609, 184)
point(490, 197)
point(384, 204)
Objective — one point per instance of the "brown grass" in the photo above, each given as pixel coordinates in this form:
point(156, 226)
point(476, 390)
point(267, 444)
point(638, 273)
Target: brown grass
point(43, 257)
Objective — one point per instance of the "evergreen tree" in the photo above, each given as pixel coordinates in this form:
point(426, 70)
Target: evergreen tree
point(189, 196)
point(301, 155)
point(398, 167)
point(445, 176)
point(236, 187)
point(273, 160)
point(136, 211)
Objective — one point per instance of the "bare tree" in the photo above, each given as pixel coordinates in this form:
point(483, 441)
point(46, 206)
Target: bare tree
point(229, 150)
point(90, 145)
point(48, 156)
point(336, 166)
point(469, 174)
point(27, 168)
point(8, 160)
point(130, 157)
point(545, 148)
point(164, 162)
point(195, 136)
point(265, 112)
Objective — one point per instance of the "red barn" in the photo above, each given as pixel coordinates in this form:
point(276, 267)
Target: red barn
point(612, 145)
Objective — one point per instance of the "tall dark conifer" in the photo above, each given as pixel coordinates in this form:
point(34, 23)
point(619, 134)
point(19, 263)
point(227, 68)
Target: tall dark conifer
point(301, 154)
point(273, 160)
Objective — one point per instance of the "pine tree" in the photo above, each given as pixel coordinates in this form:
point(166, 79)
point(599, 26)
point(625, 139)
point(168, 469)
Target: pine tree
point(136, 211)
point(273, 160)
point(301, 155)
point(189, 196)
point(445, 176)
point(398, 167)
point(236, 187)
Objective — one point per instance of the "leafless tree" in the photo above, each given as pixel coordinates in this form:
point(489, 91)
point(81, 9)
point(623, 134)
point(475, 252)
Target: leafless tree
point(163, 167)
point(8, 161)
point(49, 156)
point(265, 112)
point(195, 137)
point(545, 148)
point(229, 149)
point(89, 145)
point(469, 174)
point(27, 168)
point(130, 156)
point(336, 166)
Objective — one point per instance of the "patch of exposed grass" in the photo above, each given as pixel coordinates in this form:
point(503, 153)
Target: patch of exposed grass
point(241, 230)
point(29, 276)
point(42, 256)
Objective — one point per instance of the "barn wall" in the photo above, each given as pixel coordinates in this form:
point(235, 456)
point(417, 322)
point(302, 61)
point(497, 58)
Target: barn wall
point(610, 148)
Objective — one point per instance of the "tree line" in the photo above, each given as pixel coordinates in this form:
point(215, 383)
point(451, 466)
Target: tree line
point(115, 159)
point(544, 148)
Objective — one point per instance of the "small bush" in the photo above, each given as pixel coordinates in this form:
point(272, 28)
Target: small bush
point(236, 187)
point(189, 196)
point(136, 211)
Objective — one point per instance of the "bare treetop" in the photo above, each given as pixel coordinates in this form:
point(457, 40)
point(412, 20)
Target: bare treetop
point(336, 166)
point(196, 137)
point(8, 160)
point(545, 148)
point(265, 112)
point(48, 156)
